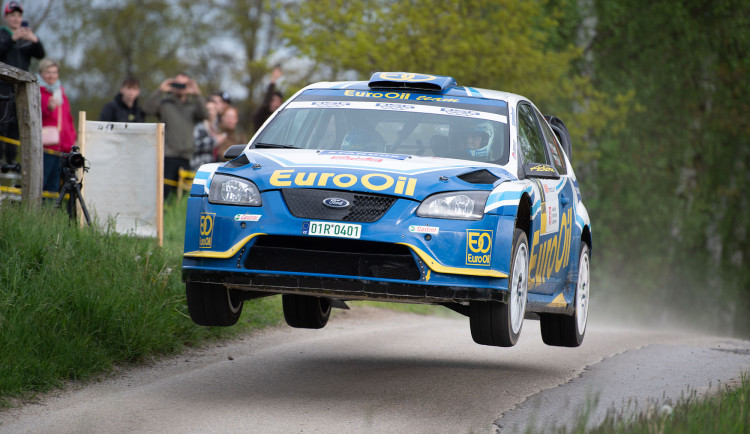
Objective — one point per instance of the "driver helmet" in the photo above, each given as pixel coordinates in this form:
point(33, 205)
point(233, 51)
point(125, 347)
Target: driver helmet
point(362, 140)
point(486, 132)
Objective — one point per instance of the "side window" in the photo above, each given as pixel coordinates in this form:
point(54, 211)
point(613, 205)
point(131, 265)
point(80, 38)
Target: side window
point(530, 137)
point(552, 144)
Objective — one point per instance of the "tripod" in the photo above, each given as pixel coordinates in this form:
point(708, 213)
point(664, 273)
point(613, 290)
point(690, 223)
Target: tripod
point(72, 187)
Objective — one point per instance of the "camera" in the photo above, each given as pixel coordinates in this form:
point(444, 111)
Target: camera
point(74, 159)
point(24, 23)
point(5, 168)
point(178, 85)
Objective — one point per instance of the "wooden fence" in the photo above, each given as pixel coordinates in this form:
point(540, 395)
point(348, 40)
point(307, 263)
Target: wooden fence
point(29, 112)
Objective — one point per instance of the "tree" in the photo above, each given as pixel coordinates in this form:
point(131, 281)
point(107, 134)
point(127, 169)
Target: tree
point(252, 25)
point(685, 153)
point(148, 39)
point(483, 43)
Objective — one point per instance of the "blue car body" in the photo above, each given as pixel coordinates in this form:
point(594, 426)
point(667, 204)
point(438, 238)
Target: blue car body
point(339, 215)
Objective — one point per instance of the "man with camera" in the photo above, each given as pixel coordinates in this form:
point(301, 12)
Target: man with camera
point(179, 105)
point(18, 44)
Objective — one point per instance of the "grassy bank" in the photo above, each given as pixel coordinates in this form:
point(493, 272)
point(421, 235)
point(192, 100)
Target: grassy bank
point(726, 412)
point(74, 302)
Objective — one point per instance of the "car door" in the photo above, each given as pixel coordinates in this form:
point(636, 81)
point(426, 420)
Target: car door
point(549, 240)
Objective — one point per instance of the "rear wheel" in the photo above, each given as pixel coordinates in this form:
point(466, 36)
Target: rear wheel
point(499, 324)
point(211, 304)
point(306, 312)
point(569, 330)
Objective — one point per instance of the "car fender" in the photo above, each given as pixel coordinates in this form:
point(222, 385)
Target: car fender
point(505, 201)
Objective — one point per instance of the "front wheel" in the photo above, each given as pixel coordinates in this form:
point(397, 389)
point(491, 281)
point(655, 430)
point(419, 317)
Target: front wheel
point(305, 311)
point(499, 324)
point(211, 304)
point(569, 330)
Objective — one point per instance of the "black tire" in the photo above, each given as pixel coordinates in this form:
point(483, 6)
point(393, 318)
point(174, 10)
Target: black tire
point(305, 312)
point(569, 330)
point(212, 304)
point(499, 324)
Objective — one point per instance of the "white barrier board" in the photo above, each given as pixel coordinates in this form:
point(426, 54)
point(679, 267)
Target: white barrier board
point(124, 184)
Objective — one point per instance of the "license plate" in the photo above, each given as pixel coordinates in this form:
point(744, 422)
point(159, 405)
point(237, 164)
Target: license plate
point(332, 229)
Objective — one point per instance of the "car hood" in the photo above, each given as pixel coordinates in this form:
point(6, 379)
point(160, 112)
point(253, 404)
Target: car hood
point(391, 174)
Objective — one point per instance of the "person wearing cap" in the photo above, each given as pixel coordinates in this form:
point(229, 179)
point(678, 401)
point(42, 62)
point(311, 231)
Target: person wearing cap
point(18, 44)
point(178, 103)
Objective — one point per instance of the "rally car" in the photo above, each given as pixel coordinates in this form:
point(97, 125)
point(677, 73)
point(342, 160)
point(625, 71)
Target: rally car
point(404, 188)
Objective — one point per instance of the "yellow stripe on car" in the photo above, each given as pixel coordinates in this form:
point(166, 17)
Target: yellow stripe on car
point(439, 268)
point(222, 255)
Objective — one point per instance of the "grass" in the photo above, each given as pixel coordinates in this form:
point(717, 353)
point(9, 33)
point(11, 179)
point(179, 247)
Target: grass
point(724, 412)
point(75, 302)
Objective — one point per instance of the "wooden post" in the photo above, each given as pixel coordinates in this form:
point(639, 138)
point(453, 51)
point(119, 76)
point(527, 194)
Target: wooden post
point(28, 108)
point(160, 182)
point(29, 112)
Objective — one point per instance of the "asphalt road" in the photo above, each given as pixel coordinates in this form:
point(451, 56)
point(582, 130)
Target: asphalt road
point(371, 370)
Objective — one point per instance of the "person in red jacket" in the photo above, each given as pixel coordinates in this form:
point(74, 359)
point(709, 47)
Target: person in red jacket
point(55, 113)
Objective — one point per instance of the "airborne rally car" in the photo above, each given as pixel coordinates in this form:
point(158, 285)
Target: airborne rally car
point(404, 188)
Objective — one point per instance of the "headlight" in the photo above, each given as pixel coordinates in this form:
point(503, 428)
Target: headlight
point(233, 191)
point(457, 205)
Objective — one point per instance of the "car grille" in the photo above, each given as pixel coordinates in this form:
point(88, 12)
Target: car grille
point(332, 256)
point(363, 208)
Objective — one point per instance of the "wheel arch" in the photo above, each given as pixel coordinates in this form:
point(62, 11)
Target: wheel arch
point(586, 237)
point(523, 215)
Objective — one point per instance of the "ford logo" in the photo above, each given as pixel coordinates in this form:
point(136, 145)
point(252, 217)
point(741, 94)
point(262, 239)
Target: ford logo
point(335, 202)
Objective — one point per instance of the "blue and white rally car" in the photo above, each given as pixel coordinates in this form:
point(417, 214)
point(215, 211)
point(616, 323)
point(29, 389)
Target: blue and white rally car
point(404, 188)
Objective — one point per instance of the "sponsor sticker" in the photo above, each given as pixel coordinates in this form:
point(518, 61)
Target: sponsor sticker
point(406, 76)
point(246, 217)
point(350, 158)
point(395, 106)
point(424, 229)
point(206, 230)
point(542, 168)
point(366, 154)
point(380, 182)
point(460, 112)
point(330, 104)
point(479, 247)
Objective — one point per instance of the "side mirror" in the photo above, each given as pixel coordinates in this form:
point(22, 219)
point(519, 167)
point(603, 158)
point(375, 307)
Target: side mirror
point(234, 151)
point(534, 170)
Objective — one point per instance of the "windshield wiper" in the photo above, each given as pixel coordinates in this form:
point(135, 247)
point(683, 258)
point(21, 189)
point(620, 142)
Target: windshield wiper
point(273, 146)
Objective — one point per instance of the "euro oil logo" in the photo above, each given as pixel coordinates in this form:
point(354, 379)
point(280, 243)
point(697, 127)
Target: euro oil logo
point(478, 247)
point(552, 255)
point(371, 181)
point(206, 230)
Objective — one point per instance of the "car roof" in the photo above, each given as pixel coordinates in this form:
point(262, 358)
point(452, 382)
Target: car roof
point(445, 85)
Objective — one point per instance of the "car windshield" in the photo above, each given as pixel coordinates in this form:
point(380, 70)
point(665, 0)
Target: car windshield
point(477, 132)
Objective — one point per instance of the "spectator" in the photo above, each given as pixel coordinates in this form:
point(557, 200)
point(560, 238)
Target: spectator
point(204, 135)
point(18, 44)
point(223, 100)
point(230, 135)
point(124, 108)
point(272, 99)
point(179, 104)
point(55, 113)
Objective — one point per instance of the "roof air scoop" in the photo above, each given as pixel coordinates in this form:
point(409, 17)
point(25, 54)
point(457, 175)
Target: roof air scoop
point(409, 80)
